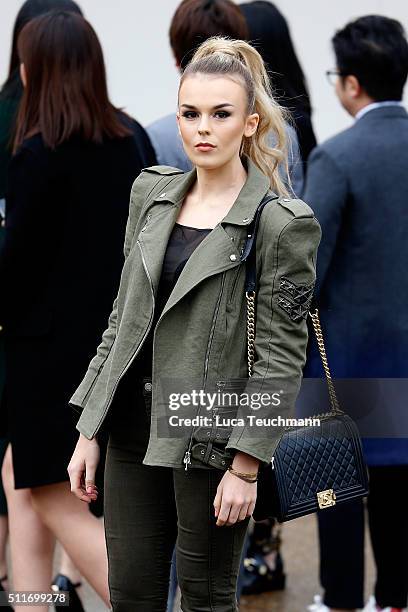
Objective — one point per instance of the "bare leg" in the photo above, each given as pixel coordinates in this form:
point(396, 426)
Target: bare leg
point(67, 568)
point(3, 543)
point(31, 542)
point(79, 532)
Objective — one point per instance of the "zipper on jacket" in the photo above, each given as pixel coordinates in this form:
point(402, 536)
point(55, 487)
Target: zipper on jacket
point(146, 222)
point(132, 357)
point(187, 455)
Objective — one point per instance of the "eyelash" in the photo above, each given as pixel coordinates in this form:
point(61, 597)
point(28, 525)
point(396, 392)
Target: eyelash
point(193, 114)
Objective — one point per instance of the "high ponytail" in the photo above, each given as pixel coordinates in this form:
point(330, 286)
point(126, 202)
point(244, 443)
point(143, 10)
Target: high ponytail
point(224, 56)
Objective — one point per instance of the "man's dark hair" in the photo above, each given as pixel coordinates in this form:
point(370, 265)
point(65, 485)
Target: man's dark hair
point(196, 20)
point(375, 50)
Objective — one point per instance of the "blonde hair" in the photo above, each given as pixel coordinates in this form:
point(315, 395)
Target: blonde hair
point(224, 56)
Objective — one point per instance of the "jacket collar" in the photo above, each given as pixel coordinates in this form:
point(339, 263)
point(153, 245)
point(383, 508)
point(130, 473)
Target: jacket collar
point(393, 111)
point(242, 211)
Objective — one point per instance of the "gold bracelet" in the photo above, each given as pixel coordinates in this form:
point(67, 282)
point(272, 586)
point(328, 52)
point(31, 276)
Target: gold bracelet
point(246, 476)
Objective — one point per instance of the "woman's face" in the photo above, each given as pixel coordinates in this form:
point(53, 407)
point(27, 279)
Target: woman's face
point(213, 119)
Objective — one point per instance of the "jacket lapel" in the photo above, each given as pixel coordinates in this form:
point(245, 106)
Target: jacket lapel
point(217, 252)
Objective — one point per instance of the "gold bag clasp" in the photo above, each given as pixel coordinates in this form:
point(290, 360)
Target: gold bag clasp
point(326, 498)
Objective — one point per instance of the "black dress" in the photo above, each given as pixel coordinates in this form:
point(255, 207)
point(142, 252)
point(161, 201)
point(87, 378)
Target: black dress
point(60, 265)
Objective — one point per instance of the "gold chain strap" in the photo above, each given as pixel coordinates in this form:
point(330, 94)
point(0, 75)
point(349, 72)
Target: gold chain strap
point(320, 343)
point(250, 297)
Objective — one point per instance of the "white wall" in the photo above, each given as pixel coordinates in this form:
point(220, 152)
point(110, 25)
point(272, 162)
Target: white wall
point(141, 71)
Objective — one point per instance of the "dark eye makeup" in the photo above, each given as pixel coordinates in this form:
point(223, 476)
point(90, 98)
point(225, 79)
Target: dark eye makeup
point(220, 114)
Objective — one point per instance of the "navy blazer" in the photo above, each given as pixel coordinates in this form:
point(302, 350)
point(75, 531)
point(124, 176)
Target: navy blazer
point(357, 184)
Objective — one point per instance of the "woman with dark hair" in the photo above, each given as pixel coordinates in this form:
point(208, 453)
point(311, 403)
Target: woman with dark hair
point(10, 95)
point(270, 35)
point(76, 157)
point(12, 89)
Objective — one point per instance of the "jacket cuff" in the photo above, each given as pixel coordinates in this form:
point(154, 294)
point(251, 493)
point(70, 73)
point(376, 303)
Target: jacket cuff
point(260, 449)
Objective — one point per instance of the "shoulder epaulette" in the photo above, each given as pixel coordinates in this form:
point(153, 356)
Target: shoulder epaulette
point(297, 207)
point(164, 170)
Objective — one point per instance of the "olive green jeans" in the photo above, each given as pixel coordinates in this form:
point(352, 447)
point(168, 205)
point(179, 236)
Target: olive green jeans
point(150, 509)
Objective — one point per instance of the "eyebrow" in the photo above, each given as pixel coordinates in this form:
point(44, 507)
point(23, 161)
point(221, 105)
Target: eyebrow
point(223, 105)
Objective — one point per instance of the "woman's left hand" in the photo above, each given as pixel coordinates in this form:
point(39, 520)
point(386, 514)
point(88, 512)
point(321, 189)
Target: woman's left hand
point(235, 498)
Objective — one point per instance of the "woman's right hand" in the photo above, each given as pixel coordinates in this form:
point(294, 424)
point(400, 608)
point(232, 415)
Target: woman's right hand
point(82, 469)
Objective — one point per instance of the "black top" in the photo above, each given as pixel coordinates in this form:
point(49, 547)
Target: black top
point(62, 205)
point(66, 212)
point(182, 242)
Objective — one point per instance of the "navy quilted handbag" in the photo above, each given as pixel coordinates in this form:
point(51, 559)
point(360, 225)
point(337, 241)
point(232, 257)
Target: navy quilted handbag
point(316, 467)
point(313, 468)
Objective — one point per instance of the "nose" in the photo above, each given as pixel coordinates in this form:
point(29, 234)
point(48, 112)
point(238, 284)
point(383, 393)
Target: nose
point(203, 127)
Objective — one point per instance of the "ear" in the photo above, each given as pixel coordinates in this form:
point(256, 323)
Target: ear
point(23, 75)
point(178, 122)
point(251, 125)
point(352, 86)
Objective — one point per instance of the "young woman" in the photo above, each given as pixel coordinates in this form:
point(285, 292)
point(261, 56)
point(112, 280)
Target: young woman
point(180, 316)
point(75, 159)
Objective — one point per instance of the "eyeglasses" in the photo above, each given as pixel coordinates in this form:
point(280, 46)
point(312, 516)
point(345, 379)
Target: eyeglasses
point(332, 76)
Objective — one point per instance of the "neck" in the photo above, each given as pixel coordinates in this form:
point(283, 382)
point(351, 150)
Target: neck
point(210, 183)
point(360, 104)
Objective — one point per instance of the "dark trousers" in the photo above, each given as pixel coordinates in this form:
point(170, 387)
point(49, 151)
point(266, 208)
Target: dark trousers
point(150, 509)
point(341, 532)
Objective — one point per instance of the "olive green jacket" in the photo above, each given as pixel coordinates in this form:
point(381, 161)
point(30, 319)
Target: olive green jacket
point(201, 333)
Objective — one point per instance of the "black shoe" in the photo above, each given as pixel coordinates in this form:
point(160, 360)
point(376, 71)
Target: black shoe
point(63, 583)
point(259, 578)
point(260, 575)
point(5, 607)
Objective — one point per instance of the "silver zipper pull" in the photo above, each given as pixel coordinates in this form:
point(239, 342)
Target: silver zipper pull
point(187, 459)
point(147, 221)
point(273, 460)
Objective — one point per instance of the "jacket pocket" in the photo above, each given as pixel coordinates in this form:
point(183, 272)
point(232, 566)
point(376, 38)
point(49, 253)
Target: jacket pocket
point(235, 281)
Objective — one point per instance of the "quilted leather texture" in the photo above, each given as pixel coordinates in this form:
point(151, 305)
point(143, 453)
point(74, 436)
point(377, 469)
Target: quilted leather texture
point(315, 459)
point(309, 460)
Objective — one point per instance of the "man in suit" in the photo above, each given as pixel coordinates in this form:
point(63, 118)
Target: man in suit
point(357, 184)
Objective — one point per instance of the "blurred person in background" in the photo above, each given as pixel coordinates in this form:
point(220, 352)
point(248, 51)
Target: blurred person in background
point(75, 159)
point(10, 96)
point(357, 183)
point(194, 22)
point(269, 33)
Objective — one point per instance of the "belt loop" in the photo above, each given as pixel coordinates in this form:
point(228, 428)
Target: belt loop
point(208, 452)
